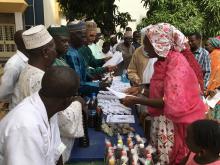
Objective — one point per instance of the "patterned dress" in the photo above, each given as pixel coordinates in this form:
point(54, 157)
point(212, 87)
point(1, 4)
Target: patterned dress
point(182, 105)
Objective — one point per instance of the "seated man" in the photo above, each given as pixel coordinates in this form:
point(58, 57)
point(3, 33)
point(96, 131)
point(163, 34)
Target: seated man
point(29, 133)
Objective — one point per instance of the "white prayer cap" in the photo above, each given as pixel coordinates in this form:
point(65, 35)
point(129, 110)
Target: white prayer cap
point(36, 37)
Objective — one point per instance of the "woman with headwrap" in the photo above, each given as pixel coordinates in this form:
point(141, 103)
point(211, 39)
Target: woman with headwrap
point(213, 46)
point(174, 97)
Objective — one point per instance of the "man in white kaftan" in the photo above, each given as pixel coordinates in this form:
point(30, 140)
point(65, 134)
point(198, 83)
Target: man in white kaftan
point(12, 69)
point(29, 82)
point(70, 120)
point(28, 136)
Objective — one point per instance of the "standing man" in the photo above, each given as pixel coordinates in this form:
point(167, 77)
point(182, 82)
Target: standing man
point(61, 38)
point(29, 135)
point(77, 31)
point(42, 53)
point(114, 43)
point(136, 39)
point(96, 70)
point(70, 120)
point(13, 68)
point(201, 55)
point(127, 51)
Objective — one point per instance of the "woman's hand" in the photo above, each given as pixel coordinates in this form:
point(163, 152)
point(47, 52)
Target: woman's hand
point(128, 101)
point(211, 93)
point(133, 91)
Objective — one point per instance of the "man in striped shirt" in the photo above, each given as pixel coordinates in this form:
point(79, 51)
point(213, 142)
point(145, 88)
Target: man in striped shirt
point(201, 55)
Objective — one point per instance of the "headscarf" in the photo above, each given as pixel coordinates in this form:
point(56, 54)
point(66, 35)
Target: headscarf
point(215, 42)
point(165, 37)
point(58, 31)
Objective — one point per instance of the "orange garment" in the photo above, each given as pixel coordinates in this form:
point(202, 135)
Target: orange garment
point(214, 80)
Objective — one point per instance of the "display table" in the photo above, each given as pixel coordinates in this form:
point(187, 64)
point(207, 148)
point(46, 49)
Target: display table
point(95, 152)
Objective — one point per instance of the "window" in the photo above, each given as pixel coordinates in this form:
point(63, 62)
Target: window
point(7, 30)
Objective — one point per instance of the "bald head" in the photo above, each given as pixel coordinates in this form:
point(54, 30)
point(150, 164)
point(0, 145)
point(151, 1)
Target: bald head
point(60, 82)
point(18, 40)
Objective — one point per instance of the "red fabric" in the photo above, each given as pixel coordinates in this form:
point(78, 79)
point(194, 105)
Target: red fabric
point(195, 66)
point(176, 82)
point(180, 149)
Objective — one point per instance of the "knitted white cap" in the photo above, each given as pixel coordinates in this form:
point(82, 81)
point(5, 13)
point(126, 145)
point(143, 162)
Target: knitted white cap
point(36, 37)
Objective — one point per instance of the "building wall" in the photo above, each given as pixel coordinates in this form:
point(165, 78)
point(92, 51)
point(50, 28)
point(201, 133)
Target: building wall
point(51, 13)
point(34, 14)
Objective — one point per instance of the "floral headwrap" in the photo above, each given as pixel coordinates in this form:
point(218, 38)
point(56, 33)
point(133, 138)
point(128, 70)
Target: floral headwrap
point(165, 37)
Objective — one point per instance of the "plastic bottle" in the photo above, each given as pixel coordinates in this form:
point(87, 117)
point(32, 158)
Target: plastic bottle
point(109, 155)
point(111, 161)
point(118, 151)
point(98, 119)
point(84, 141)
point(92, 111)
point(141, 151)
point(148, 159)
point(108, 145)
point(120, 141)
point(129, 140)
point(147, 126)
point(138, 139)
point(124, 160)
point(124, 77)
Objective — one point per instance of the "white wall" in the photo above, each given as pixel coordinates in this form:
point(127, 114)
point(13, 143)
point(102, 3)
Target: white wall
point(135, 8)
point(51, 13)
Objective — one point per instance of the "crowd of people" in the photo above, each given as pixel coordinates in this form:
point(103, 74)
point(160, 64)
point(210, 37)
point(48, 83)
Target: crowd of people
point(55, 68)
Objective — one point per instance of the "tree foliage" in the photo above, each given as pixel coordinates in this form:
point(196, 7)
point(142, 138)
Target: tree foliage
point(104, 12)
point(187, 15)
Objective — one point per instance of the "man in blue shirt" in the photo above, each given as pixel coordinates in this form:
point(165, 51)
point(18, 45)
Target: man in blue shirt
point(201, 55)
point(77, 31)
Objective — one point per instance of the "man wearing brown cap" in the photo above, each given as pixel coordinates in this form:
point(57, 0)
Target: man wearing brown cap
point(95, 65)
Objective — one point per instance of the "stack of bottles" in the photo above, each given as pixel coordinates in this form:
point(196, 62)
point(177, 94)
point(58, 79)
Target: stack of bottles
point(133, 153)
point(84, 141)
point(94, 113)
point(93, 119)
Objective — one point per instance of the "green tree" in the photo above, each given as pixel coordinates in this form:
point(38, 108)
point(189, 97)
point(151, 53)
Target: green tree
point(187, 15)
point(104, 12)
